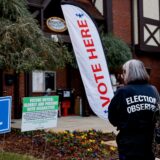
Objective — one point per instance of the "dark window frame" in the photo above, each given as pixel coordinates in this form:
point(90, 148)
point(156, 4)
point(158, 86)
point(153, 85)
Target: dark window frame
point(44, 87)
point(142, 23)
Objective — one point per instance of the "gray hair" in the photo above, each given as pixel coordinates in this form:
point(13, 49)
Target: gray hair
point(134, 70)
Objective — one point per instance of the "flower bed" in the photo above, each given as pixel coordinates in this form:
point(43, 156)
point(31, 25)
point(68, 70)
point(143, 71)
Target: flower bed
point(64, 145)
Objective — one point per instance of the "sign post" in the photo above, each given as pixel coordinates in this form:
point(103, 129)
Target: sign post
point(5, 114)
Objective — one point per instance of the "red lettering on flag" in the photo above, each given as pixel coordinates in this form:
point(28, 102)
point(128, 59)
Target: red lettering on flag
point(107, 101)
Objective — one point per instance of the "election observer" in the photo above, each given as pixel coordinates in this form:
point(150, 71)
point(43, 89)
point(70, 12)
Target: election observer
point(132, 110)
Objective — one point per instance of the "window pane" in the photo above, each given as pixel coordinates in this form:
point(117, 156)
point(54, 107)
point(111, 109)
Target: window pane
point(50, 80)
point(151, 9)
point(99, 6)
point(37, 81)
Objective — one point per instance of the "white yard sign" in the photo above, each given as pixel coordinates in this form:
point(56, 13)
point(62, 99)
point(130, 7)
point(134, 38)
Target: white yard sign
point(39, 113)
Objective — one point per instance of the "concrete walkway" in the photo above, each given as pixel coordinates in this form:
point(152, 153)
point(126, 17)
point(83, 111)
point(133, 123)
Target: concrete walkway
point(72, 123)
point(84, 123)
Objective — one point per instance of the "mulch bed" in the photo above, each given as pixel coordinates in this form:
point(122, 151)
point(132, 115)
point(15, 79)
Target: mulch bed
point(77, 145)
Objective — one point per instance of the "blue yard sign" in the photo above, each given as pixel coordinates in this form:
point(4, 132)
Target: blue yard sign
point(5, 114)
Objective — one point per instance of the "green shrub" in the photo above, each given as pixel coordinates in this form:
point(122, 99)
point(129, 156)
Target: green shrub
point(117, 52)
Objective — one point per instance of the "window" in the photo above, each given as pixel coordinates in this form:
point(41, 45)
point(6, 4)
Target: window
point(42, 80)
point(147, 25)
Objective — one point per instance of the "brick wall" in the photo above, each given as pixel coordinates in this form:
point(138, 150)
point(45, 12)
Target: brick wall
point(151, 61)
point(122, 19)
point(9, 90)
point(61, 78)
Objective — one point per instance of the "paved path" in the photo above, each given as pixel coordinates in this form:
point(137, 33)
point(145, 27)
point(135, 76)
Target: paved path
point(83, 123)
point(77, 123)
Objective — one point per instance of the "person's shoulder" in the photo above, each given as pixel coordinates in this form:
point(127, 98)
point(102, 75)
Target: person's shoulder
point(123, 89)
point(152, 86)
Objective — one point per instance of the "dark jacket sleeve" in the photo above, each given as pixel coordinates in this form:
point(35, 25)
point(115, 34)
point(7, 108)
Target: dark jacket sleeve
point(114, 107)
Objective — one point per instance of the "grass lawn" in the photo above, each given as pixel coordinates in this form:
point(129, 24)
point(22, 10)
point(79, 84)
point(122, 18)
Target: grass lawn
point(14, 156)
